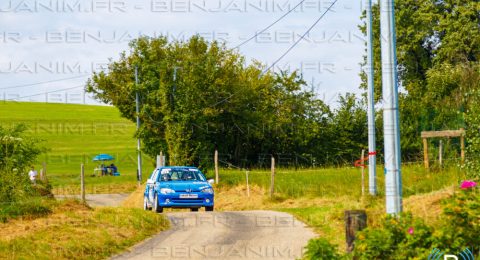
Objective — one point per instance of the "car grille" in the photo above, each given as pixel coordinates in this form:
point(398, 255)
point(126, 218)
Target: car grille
point(187, 200)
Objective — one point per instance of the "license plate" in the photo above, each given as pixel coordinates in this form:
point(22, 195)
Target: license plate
point(188, 196)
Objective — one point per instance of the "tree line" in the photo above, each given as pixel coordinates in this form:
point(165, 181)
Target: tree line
point(196, 96)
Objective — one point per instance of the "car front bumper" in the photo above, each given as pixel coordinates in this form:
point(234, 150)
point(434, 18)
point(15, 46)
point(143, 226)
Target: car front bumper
point(173, 200)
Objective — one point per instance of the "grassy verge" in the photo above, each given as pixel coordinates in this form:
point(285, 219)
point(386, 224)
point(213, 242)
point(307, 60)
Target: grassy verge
point(74, 231)
point(28, 209)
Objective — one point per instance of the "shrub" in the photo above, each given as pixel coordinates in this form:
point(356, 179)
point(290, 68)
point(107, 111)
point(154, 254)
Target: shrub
point(320, 248)
point(400, 237)
point(406, 237)
point(460, 222)
point(17, 152)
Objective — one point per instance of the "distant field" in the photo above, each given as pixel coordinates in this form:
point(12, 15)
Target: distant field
point(76, 133)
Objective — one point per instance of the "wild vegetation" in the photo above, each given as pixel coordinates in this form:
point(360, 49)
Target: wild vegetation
point(438, 48)
point(18, 195)
point(75, 231)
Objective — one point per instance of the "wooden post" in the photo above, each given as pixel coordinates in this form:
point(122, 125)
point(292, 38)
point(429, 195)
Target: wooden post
point(440, 153)
point(162, 159)
point(363, 172)
point(355, 220)
point(272, 178)
point(215, 158)
point(248, 187)
point(159, 162)
point(462, 146)
point(425, 153)
point(44, 172)
point(82, 182)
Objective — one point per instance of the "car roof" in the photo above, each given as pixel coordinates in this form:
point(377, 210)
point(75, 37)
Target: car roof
point(177, 167)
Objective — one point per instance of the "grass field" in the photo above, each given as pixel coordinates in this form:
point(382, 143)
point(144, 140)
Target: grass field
point(75, 134)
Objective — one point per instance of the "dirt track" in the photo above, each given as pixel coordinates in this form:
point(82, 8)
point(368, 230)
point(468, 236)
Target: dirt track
point(226, 235)
point(96, 200)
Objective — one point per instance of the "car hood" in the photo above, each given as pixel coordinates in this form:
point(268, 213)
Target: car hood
point(186, 186)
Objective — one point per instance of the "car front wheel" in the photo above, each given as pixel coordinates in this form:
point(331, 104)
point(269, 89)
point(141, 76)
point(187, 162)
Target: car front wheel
point(156, 207)
point(145, 204)
point(209, 208)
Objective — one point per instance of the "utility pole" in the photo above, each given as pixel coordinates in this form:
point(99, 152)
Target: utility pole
point(372, 154)
point(393, 174)
point(139, 153)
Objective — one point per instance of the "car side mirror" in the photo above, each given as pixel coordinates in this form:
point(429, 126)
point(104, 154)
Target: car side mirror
point(210, 181)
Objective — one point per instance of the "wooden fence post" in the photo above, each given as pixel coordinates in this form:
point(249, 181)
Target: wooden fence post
point(462, 146)
point(425, 153)
point(82, 182)
point(272, 178)
point(440, 153)
point(248, 187)
point(215, 158)
point(363, 172)
point(44, 172)
point(162, 159)
point(355, 220)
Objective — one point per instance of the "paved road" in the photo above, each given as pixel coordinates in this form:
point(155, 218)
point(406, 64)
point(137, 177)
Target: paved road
point(94, 200)
point(226, 235)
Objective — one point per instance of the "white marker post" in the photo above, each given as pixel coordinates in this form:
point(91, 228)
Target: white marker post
point(139, 151)
point(372, 154)
point(393, 185)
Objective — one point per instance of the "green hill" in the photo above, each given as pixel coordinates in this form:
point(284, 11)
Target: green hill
point(75, 134)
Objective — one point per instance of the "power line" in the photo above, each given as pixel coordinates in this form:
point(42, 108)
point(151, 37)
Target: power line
point(44, 82)
point(34, 95)
point(283, 55)
point(301, 38)
point(272, 24)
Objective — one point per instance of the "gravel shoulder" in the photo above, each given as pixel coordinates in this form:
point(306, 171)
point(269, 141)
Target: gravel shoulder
point(99, 200)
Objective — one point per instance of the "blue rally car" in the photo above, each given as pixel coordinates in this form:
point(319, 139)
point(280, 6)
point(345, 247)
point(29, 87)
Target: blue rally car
point(178, 187)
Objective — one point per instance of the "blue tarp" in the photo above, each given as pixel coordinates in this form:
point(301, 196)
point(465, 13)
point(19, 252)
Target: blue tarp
point(103, 157)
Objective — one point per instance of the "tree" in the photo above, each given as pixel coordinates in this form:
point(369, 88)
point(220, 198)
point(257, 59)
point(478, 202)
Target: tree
point(197, 95)
point(434, 40)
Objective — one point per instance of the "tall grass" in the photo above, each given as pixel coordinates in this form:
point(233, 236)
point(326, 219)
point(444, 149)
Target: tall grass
point(336, 182)
point(74, 231)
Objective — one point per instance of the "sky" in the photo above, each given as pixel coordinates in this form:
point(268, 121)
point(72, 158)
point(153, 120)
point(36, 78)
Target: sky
point(50, 47)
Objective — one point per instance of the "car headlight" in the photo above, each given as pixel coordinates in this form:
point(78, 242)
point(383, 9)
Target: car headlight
point(208, 190)
point(166, 191)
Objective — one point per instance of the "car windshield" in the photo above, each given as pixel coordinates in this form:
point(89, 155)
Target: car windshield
point(180, 174)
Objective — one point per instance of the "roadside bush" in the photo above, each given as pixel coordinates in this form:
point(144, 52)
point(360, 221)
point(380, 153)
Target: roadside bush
point(399, 238)
point(320, 248)
point(18, 196)
point(406, 237)
point(461, 222)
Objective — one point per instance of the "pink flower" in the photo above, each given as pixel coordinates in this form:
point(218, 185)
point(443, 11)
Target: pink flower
point(410, 231)
point(468, 185)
